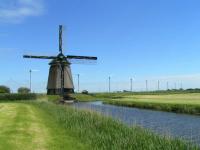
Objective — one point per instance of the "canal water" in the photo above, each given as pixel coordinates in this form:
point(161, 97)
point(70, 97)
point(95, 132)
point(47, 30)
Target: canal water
point(186, 127)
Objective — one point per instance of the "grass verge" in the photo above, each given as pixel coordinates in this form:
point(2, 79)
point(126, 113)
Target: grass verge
point(26, 127)
point(102, 133)
point(177, 108)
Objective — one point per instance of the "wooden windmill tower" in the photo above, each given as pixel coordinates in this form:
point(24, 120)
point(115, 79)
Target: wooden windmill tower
point(60, 77)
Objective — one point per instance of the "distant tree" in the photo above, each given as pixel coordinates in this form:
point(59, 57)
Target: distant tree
point(4, 89)
point(126, 91)
point(84, 92)
point(23, 90)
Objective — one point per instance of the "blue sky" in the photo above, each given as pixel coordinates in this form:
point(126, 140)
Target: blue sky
point(147, 40)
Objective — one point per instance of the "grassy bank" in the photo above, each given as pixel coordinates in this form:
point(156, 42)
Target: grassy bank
point(188, 103)
point(43, 125)
point(177, 108)
point(179, 103)
point(104, 133)
point(99, 96)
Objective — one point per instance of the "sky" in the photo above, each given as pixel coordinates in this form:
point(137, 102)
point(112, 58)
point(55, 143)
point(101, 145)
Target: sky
point(140, 39)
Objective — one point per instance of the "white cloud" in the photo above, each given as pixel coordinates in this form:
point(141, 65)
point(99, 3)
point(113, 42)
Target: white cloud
point(15, 11)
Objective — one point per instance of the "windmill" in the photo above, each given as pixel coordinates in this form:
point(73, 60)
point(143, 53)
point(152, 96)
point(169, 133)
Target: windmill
point(60, 77)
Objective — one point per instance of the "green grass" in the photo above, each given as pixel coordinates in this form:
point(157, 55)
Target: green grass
point(187, 99)
point(26, 127)
point(98, 96)
point(44, 125)
point(49, 98)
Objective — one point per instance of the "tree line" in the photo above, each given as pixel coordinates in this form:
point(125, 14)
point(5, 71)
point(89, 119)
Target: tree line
point(6, 90)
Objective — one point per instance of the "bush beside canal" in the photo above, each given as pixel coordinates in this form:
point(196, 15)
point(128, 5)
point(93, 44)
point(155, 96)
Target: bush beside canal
point(15, 97)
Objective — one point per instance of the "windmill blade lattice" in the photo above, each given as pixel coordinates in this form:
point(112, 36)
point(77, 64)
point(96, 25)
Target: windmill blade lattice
point(81, 59)
point(39, 57)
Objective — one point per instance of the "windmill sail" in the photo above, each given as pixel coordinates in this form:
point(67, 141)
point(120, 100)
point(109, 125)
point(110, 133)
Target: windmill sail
point(81, 59)
point(39, 57)
point(60, 38)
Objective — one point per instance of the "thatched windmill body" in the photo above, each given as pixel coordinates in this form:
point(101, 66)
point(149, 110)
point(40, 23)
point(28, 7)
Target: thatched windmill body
point(60, 80)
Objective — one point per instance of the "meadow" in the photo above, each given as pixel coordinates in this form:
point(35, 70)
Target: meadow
point(43, 124)
point(187, 99)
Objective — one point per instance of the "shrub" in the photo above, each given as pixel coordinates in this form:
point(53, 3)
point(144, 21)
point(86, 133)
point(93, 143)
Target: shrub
point(23, 90)
point(13, 97)
point(4, 89)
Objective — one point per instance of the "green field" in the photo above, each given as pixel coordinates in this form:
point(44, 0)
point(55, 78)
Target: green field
point(42, 125)
point(188, 99)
